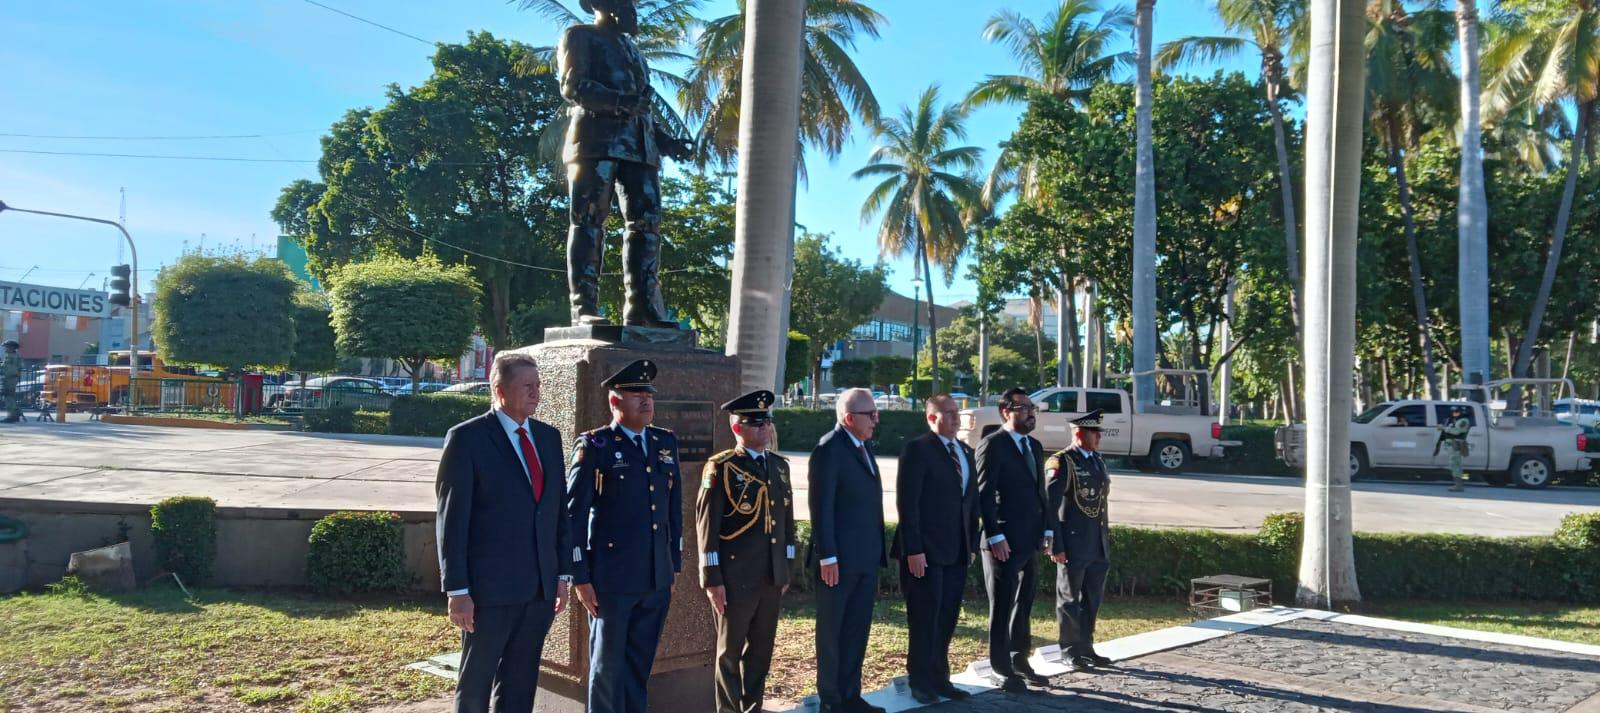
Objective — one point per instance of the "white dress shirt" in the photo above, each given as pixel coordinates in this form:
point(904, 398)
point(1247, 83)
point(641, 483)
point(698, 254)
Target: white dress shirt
point(961, 458)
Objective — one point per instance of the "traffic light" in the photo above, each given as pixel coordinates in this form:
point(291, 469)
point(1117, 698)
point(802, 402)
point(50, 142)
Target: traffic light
point(120, 285)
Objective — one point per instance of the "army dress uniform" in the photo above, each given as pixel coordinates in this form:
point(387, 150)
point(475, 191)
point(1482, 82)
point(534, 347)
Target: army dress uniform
point(744, 517)
point(1079, 489)
point(624, 508)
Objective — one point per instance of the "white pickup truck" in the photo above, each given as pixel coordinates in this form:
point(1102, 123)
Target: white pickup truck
point(1165, 437)
point(1401, 435)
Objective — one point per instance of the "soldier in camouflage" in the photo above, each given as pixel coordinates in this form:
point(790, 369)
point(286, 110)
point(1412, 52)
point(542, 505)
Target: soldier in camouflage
point(10, 378)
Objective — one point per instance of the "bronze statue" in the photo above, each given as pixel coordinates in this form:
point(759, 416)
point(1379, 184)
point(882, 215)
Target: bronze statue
point(614, 140)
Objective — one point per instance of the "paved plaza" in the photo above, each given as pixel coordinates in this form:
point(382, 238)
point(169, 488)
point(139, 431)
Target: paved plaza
point(138, 464)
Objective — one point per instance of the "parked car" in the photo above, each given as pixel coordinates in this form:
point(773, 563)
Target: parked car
point(471, 388)
point(1583, 412)
point(1505, 448)
point(392, 384)
point(337, 391)
point(423, 387)
point(1165, 437)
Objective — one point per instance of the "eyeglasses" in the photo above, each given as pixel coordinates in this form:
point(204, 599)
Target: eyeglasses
point(1022, 409)
point(873, 412)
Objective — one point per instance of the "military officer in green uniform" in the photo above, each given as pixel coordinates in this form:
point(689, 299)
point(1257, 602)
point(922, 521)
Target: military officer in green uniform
point(1453, 439)
point(744, 517)
point(10, 377)
point(1079, 487)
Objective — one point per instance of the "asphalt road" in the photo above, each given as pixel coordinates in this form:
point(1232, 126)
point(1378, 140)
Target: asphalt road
point(132, 464)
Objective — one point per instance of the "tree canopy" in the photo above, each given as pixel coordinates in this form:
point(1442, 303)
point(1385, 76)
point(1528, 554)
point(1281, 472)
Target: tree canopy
point(409, 310)
point(225, 312)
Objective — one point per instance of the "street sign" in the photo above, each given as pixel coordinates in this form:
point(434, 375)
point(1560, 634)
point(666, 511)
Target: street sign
point(43, 299)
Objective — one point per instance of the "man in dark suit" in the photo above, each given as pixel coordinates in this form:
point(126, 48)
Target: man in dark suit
point(846, 499)
point(1016, 525)
point(1079, 490)
point(937, 497)
point(503, 551)
point(612, 140)
point(745, 518)
point(624, 506)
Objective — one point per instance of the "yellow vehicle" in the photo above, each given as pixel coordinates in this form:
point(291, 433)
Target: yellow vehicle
point(86, 387)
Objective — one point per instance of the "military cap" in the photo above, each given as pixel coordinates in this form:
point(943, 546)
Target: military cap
point(752, 406)
point(589, 5)
point(1090, 421)
point(637, 376)
point(10, 344)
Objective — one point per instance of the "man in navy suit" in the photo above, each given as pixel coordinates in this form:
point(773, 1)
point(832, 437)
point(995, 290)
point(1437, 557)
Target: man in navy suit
point(503, 551)
point(846, 498)
point(625, 509)
point(1016, 525)
point(937, 495)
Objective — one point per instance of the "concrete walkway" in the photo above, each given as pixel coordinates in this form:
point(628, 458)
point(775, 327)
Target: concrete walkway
point(138, 464)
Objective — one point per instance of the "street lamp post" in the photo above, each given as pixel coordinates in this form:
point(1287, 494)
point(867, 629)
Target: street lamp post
point(133, 285)
point(25, 275)
point(85, 280)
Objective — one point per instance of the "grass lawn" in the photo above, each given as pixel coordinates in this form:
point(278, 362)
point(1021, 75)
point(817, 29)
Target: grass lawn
point(233, 651)
point(228, 651)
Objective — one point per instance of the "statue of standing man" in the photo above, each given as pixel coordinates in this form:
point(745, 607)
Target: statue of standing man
point(613, 141)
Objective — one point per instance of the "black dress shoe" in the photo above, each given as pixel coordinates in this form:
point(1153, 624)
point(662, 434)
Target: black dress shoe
point(1083, 663)
point(1073, 665)
point(948, 690)
point(1032, 677)
point(1009, 684)
point(924, 696)
point(1100, 661)
point(860, 705)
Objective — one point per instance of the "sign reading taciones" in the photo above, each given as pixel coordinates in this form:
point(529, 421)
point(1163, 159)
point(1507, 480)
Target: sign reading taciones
point(53, 300)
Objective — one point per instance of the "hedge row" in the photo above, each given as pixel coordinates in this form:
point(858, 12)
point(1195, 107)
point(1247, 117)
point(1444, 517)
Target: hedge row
point(1564, 567)
point(425, 415)
point(799, 429)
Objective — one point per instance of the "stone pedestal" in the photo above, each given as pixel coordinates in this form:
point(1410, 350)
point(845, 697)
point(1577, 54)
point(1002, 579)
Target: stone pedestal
point(690, 385)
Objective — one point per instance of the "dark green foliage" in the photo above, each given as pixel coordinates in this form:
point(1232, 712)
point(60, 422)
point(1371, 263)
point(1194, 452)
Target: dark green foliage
point(796, 359)
point(1282, 534)
point(433, 414)
point(357, 552)
point(1581, 531)
point(185, 533)
point(831, 294)
point(1258, 455)
point(528, 322)
point(799, 429)
point(852, 374)
point(372, 422)
point(225, 312)
point(339, 419)
point(890, 370)
point(408, 310)
point(313, 334)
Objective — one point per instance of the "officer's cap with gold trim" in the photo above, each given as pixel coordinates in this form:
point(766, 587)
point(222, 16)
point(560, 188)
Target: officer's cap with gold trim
point(638, 376)
point(1089, 421)
point(752, 407)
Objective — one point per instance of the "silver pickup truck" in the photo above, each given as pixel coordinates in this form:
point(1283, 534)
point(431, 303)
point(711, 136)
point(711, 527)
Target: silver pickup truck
point(1503, 448)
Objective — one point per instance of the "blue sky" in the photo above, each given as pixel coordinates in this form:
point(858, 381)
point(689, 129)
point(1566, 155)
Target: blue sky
point(286, 69)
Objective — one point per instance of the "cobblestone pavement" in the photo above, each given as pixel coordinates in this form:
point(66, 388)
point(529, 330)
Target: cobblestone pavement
point(1309, 665)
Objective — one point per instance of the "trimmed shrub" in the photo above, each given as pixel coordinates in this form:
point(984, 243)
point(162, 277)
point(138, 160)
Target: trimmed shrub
point(799, 429)
point(1580, 530)
point(357, 552)
point(185, 533)
point(373, 422)
point(433, 414)
point(339, 419)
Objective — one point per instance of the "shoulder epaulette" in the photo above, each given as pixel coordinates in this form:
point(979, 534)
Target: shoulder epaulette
point(653, 427)
point(722, 456)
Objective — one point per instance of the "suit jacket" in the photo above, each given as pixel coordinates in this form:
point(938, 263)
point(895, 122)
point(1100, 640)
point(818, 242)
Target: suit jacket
point(493, 538)
point(846, 499)
point(744, 517)
point(936, 517)
point(603, 77)
point(1011, 497)
point(1080, 490)
point(625, 508)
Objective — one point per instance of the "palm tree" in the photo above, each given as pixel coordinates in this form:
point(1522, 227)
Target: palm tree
point(1408, 86)
point(1557, 61)
point(923, 191)
point(833, 92)
point(1268, 27)
point(1472, 210)
point(1144, 217)
point(1063, 58)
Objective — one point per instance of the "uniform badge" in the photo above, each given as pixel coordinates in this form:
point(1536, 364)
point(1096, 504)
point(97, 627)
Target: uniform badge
point(619, 455)
point(665, 456)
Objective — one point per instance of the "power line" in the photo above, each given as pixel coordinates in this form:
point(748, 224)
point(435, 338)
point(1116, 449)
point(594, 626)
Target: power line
point(217, 137)
point(370, 22)
point(237, 159)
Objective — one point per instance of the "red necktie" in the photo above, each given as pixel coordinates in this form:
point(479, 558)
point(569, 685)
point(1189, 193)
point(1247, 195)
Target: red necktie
point(535, 472)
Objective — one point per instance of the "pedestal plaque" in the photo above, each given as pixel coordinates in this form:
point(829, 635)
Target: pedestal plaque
point(690, 384)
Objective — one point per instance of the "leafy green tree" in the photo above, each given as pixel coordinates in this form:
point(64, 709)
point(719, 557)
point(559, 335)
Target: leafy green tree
point(852, 373)
point(450, 166)
point(925, 184)
point(409, 310)
point(225, 312)
point(1008, 367)
point(832, 295)
point(797, 359)
point(697, 224)
point(834, 94)
point(313, 334)
point(890, 370)
point(959, 340)
point(529, 321)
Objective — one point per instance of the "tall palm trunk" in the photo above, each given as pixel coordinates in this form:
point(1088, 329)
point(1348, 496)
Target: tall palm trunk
point(1144, 218)
point(1558, 240)
point(1272, 76)
point(933, 326)
point(763, 256)
point(1335, 93)
point(1472, 213)
point(1418, 296)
